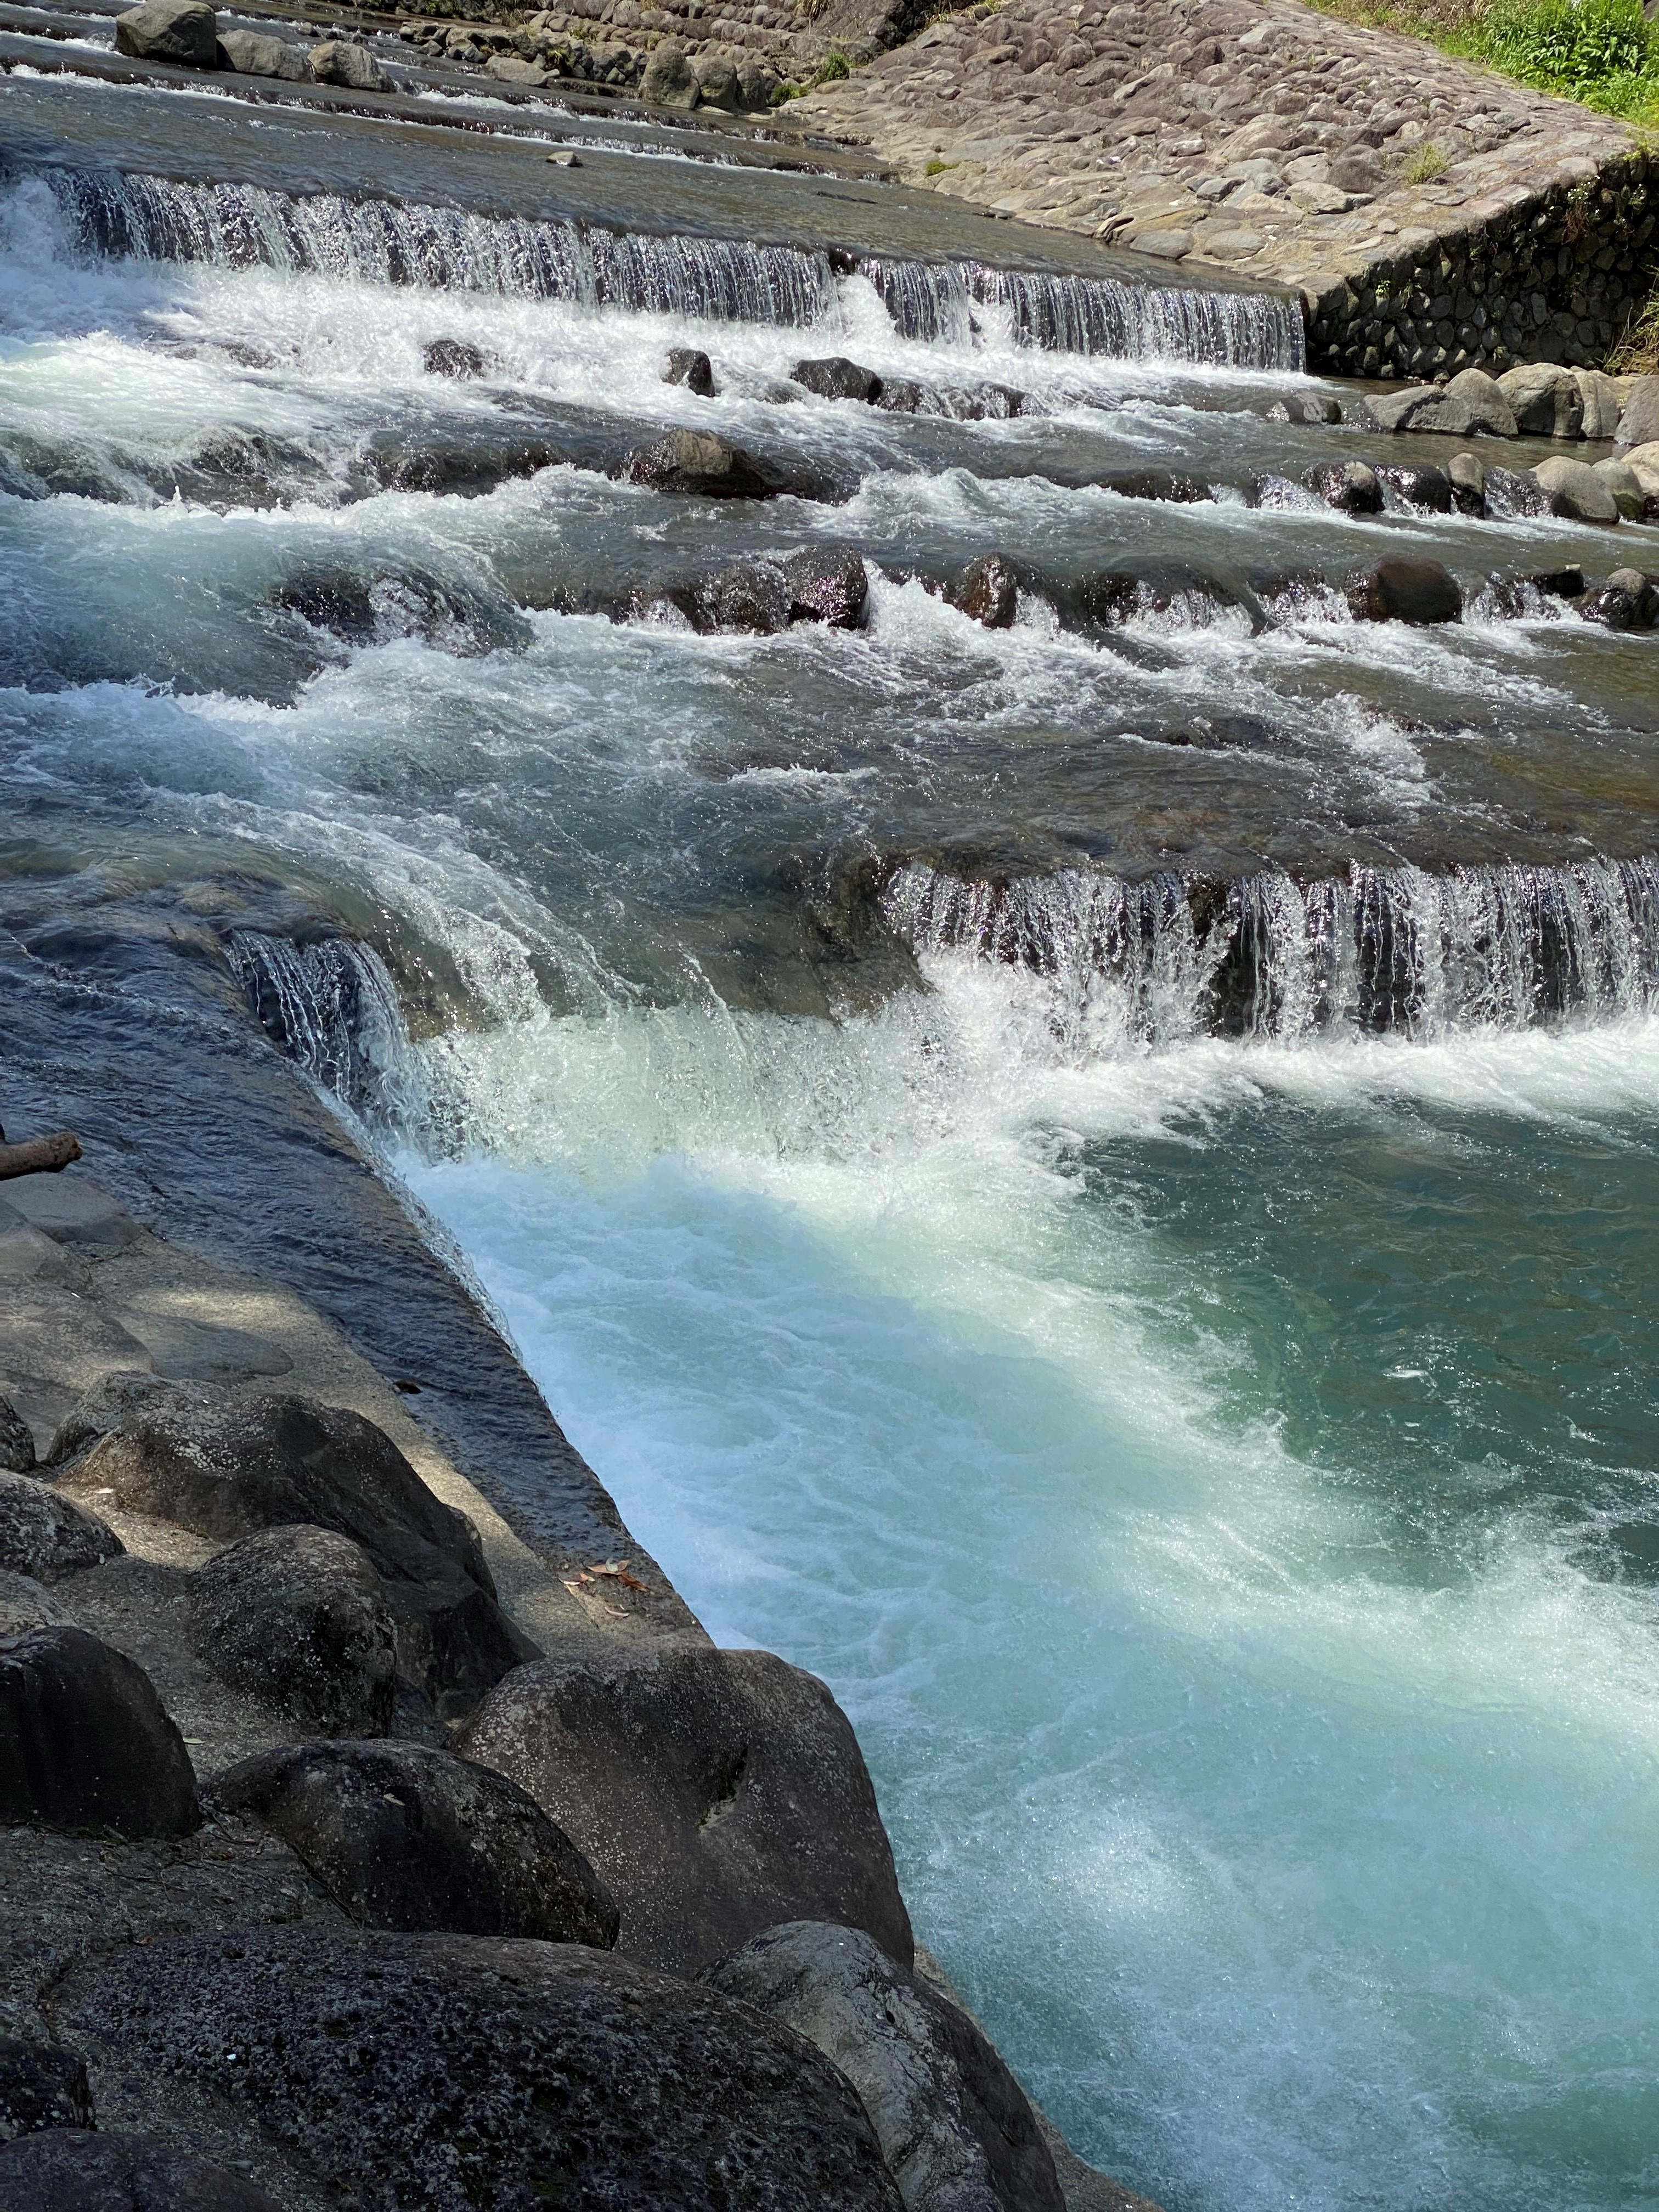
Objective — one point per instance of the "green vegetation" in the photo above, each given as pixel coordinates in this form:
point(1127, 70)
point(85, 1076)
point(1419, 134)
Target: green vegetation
point(831, 67)
point(1603, 53)
point(1637, 353)
point(1424, 164)
point(939, 169)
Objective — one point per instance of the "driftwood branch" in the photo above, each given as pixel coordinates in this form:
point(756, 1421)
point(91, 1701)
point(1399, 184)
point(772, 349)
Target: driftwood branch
point(40, 1156)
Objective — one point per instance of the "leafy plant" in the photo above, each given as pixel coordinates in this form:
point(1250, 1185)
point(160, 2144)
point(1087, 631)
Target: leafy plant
point(832, 67)
point(1424, 164)
point(1575, 44)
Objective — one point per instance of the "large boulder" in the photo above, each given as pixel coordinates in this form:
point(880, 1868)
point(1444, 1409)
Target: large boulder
point(988, 591)
point(1408, 591)
point(1601, 402)
point(758, 86)
point(956, 2129)
point(1638, 424)
point(226, 1462)
point(828, 586)
point(1420, 485)
point(84, 1741)
point(835, 377)
point(1622, 481)
point(183, 30)
point(25, 1603)
point(1479, 409)
point(715, 1793)
point(1628, 601)
point(17, 1440)
point(298, 1616)
point(695, 461)
point(717, 81)
point(1574, 489)
point(403, 1836)
point(251, 53)
point(749, 595)
point(46, 1535)
point(455, 2072)
point(42, 2085)
point(1547, 400)
point(690, 366)
point(669, 80)
point(72, 2171)
point(345, 62)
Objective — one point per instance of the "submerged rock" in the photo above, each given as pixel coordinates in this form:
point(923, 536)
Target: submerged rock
point(69, 2171)
point(457, 2071)
point(1423, 486)
point(84, 1741)
point(835, 377)
point(1468, 479)
point(1401, 590)
point(407, 1836)
point(714, 1793)
point(297, 1616)
point(46, 1535)
point(987, 590)
point(42, 2085)
point(1628, 600)
point(692, 368)
point(451, 357)
point(826, 586)
point(183, 30)
point(956, 2129)
point(750, 595)
point(1306, 407)
point(697, 462)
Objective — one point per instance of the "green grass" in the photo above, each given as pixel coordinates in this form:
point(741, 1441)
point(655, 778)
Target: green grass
point(1602, 53)
point(1422, 164)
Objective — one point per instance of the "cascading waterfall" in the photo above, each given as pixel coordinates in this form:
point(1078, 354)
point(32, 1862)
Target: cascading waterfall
point(332, 1008)
point(710, 279)
point(1387, 950)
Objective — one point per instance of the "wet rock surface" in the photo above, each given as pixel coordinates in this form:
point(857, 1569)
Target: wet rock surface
point(714, 1793)
point(85, 1741)
point(621, 2086)
point(403, 1836)
point(956, 2129)
point(1408, 591)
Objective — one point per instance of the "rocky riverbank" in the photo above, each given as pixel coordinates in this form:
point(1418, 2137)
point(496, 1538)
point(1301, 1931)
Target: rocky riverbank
point(357, 1849)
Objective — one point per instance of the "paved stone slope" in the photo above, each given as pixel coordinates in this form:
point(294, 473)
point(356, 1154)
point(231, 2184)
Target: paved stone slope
point(1272, 140)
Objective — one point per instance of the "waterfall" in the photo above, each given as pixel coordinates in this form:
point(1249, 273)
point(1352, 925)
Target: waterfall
point(1093, 315)
point(706, 279)
point(333, 1009)
point(1129, 964)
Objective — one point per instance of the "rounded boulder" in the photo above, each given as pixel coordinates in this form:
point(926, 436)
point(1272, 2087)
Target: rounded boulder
point(85, 1742)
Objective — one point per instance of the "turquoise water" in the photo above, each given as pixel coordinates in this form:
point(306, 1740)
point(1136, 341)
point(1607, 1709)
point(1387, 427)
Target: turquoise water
point(1213, 1481)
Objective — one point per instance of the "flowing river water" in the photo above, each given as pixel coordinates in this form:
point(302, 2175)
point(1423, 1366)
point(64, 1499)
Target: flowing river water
point(1093, 1183)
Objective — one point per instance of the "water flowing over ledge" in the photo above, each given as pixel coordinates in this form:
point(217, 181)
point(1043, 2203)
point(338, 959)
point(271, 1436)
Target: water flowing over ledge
point(711, 279)
point(1393, 949)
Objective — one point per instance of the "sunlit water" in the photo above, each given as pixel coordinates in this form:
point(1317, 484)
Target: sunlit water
point(1217, 1476)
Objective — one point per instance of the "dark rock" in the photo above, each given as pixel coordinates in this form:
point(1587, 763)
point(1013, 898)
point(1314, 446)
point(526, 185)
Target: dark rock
point(100, 1409)
point(717, 81)
point(1628, 600)
point(1348, 486)
point(16, 1439)
point(1560, 583)
point(464, 470)
point(84, 1742)
point(693, 369)
point(1106, 599)
point(900, 396)
point(1307, 407)
point(669, 80)
point(697, 462)
point(987, 590)
point(66, 2170)
point(46, 1535)
point(955, 2127)
point(1638, 421)
point(750, 595)
point(26, 1603)
point(1425, 486)
point(1471, 406)
point(1467, 477)
point(1155, 483)
point(715, 1793)
point(401, 1836)
point(758, 86)
point(1400, 590)
point(41, 2086)
point(980, 403)
point(296, 1615)
point(837, 378)
point(1357, 169)
point(227, 1463)
point(451, 357)
point(183, 30)
point(345, 62)
point(826, 586)
point(456, 2072)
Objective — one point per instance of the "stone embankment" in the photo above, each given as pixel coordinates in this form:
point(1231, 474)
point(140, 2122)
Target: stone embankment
point(297, 1732)
point(1434, 215)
